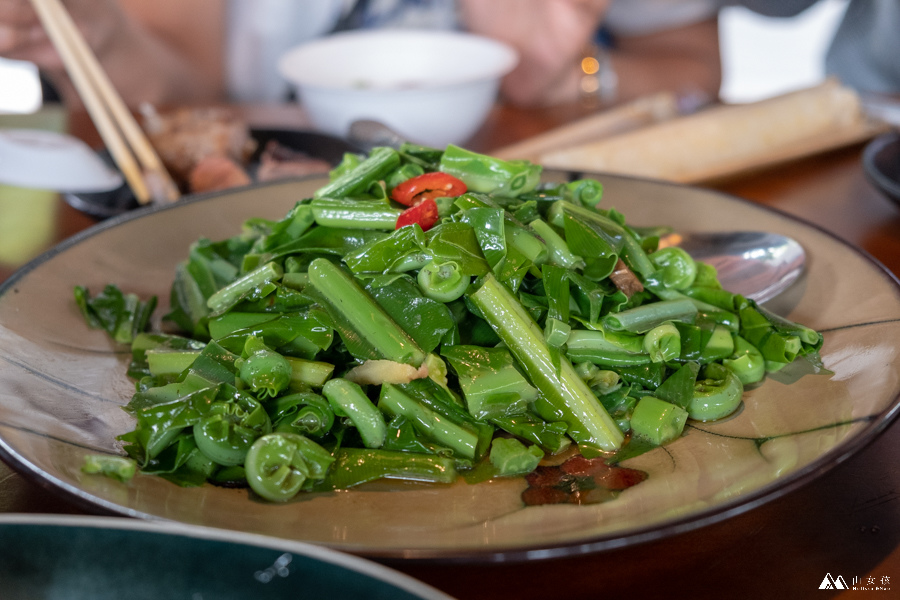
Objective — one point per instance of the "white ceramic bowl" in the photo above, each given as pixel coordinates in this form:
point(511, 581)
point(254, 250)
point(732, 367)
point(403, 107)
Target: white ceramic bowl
point(432, 87)
point(34, 158)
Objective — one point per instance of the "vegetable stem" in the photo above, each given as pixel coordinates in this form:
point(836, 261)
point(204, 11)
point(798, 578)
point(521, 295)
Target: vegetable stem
point(462, 440)
point(354, 466)
point(348, 398)
point(588, 421)
point(380, 163)
point(363, 314)
point(642, 319)
point(232, 293)
point(354, 214)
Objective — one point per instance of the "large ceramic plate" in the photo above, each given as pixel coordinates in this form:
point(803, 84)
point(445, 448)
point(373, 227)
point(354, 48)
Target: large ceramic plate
point(76, 558)
point(62, 386)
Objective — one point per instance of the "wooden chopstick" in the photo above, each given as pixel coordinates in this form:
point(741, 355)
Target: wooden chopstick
point(626, 117)
point(131, 150)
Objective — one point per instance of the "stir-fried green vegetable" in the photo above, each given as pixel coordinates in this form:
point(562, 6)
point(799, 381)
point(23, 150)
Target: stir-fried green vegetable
point(361, 338)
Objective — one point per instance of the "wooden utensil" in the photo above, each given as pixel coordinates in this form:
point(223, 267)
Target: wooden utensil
point(626, 117)
point(724, 140)
point(126, 142)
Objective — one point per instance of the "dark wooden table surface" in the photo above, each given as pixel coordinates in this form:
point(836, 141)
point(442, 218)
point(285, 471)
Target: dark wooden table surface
point(844, 523)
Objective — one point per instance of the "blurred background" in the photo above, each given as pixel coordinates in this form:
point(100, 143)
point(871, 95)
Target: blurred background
point(761, 57)
point(765, 56)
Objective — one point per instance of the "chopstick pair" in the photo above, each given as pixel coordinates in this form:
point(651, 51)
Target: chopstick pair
point(643, 111)
point(131, 150)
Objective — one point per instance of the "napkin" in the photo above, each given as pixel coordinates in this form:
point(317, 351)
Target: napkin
point(632, 115)
point(727, 139)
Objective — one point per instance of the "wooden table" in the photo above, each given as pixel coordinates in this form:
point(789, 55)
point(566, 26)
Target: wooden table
point(846, 522)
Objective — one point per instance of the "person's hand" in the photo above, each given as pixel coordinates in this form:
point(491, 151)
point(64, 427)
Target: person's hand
point(165, 51)
point(550, 35)
point(22, 36)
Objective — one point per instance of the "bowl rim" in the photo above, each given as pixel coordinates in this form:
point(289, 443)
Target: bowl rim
point(52, 160)
point(135, 529)
point(508, 58)
point(889, 186)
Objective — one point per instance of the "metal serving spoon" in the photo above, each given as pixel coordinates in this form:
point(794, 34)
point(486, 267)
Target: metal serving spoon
point(367, 134)
point(755, 264)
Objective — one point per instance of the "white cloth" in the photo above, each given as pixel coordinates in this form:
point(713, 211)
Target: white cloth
point(865, 51)
point(259, 32)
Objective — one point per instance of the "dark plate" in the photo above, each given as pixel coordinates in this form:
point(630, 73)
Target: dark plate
point(101, 558)
point(881, 161)
point(103, 205)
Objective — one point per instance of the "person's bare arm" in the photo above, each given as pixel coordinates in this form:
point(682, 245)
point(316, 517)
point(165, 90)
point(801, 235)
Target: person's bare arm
point(169, 52)
point(553, 35)
point(162, 52)
point(550, 36)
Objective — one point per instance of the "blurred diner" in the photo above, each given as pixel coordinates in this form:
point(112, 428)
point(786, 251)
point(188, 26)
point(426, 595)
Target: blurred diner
point(864, 49)
point(172, 52)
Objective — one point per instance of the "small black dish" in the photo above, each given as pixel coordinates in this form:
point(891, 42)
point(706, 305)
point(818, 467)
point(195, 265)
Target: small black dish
point(881, 162)
point(103, 205)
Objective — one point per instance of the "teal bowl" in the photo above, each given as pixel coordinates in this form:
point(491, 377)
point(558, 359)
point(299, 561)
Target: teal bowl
point(100, 558)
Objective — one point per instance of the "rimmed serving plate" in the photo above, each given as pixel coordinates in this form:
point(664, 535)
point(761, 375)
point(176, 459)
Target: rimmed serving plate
point(62, 387)
point(97, 558)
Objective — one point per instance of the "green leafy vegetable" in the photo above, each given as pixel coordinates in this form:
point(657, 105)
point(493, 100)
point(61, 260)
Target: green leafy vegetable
point(328, 349)
point(122, 316)
point(115, 467)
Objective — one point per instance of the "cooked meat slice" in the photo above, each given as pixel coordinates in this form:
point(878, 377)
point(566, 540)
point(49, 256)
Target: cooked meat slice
point(279, 162)
point(216, 172)
point(626, 280)
point(185, 136)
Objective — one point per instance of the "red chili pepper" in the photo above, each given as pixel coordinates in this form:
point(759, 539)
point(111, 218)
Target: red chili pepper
point(427, 185)
point(425, 213)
